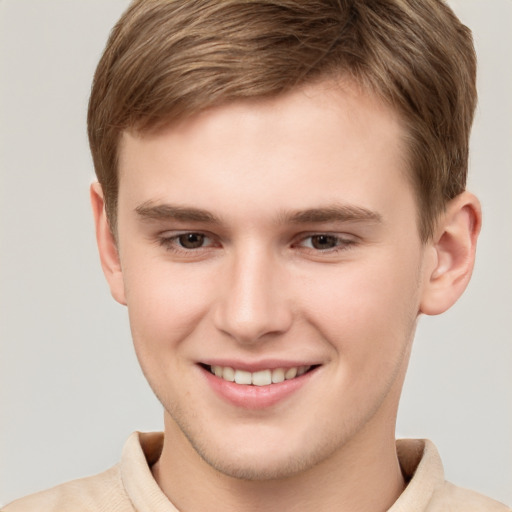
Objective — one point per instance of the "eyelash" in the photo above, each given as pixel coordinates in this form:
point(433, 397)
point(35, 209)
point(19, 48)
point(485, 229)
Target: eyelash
point(342, 243)
point(172, 244)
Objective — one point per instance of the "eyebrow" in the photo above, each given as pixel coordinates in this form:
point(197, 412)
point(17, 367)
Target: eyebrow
point(151, 211)
point(333, 213)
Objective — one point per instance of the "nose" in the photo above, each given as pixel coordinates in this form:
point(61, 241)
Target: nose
point(253, 304)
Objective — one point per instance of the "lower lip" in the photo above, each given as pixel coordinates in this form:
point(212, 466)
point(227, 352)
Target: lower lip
point(255, 397)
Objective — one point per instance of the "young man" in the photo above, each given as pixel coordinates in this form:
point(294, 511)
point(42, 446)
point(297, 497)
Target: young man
point(281, 194)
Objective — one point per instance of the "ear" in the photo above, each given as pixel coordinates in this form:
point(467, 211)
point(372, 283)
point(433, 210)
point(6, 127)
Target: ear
point(453, 248)
point(107, 245)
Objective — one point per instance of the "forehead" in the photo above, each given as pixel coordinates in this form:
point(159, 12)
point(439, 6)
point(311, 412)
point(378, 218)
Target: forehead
point(322, 143)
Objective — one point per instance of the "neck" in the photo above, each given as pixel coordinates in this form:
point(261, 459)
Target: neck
point(363, 476)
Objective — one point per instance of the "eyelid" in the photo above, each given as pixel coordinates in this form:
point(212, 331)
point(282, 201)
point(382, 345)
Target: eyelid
point(344, 241)
point(168, 239)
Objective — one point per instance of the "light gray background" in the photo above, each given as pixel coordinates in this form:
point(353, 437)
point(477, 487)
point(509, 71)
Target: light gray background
point(70, 387)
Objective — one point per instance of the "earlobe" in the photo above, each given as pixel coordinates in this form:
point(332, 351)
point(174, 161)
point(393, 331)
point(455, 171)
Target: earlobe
point(453, 247)
point(107, 246)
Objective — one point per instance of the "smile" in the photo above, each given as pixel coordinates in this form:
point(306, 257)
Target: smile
point(259, 378)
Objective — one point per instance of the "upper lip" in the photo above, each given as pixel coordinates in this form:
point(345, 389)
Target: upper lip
point(255, 366)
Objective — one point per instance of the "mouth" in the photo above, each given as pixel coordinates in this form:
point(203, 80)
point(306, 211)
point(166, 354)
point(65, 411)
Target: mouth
point(257, 386)
point(264, 377)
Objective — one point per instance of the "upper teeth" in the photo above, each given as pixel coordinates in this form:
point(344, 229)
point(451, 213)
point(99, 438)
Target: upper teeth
point(260, 378)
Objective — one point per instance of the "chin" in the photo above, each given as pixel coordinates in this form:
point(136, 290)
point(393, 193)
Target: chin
point(259, 469)
point(261, 459)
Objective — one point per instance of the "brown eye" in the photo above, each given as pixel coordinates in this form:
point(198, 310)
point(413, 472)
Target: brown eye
point(323, 242)
point(191, 240)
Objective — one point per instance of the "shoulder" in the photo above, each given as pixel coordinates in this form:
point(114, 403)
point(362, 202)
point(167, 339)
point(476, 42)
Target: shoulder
point(452, 498)
point(427, 490)
point(114, 490)
point(100, 493)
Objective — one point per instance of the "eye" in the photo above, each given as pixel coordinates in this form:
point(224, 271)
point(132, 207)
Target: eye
point(191, 240)
point(183, 242)
point(326, 242)
point(323, 242)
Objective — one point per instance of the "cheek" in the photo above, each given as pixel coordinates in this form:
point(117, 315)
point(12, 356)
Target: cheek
point(367, 312)
point(164, 302)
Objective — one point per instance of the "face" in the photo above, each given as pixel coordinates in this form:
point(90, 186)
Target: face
point(272, 268)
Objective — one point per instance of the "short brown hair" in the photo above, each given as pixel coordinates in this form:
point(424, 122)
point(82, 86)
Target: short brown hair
point(166, 59)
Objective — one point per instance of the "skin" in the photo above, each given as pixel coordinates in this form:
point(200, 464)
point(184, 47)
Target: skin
point(259, 287)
